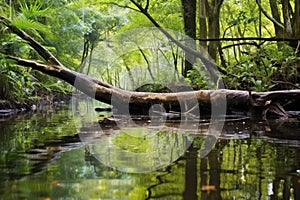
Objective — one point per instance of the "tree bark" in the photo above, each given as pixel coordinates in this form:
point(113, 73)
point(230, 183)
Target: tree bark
point(189, 18)
point(214, 26)
point(287, 14)
point(296, 26)
point(291, 20)
point(296, 19)
point(276, 16)
point(203, 23)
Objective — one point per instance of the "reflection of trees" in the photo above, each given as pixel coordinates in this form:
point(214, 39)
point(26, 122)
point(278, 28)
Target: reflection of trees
point(285, 183)
point(28, 143)
point(235, 168)
point(296, 179)
point(210, 172)
point(164, 187)
point(190, 192)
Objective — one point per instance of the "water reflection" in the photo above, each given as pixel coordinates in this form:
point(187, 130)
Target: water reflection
point(42, 158)
point(130, 153)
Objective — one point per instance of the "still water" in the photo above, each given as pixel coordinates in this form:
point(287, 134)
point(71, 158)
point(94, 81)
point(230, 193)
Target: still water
point(43, 157)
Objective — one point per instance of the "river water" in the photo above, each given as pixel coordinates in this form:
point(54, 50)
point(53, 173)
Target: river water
point(46, 155)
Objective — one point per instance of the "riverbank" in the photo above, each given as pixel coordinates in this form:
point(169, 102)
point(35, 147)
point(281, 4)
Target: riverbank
point(8, 108)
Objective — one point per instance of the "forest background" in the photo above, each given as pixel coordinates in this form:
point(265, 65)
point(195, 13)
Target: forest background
point(254, 44)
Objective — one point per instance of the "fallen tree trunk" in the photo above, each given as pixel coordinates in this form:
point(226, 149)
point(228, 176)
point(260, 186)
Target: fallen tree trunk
point(130, 102)
point(141, 102)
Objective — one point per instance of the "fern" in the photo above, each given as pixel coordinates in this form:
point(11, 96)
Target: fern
point(28, 16)
point(29, 24)
point(33, 10)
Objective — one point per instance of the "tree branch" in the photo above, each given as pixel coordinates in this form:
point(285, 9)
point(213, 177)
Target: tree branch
point(240, 44)
point(268, 16)
point(47, 55)
point(121, 6)
point(147, 5)
point(147, 61)
point(286, 83)
point(210, 66)
point(249, 38)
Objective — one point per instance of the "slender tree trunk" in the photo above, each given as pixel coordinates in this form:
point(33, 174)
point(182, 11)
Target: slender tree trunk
point(287, 17)
point(85, 53)
point(296, 19)
point(189, 17)
point(296, 26)
point(214, 26)
point(90, 59)
point(203, 23)
point(276, 16)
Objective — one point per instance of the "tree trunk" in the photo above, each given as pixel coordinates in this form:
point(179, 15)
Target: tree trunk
point(287, 17)
point(296, 19)
point(211, 67)
point(296, 25)
point(203, 23)
point(291, 20)
point(129, 102)
point(189, 18)
point(214, 26)
point(276, 16)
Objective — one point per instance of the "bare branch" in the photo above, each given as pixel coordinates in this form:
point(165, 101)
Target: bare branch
point(211, 67)
point(147, 61)
point(276, 39)
point(121, 6)
point(240, 44)
point(268, 16)
point(47, 55)
point(285, 83)
point(147, 5)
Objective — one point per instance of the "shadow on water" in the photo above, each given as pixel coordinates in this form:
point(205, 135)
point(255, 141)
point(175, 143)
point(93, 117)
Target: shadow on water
point(42, 157)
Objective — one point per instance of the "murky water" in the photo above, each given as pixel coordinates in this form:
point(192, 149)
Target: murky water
point(43, 157)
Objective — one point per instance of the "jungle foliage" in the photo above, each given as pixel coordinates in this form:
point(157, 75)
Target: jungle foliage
point(255, 45)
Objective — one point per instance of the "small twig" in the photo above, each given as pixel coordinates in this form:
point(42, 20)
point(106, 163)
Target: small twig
point(121, 6)
point(285, 83)
point(297, 48)
point(147, 5)
point(251, 99)
point(190, 110)
point(147, 61)
point(239, 44)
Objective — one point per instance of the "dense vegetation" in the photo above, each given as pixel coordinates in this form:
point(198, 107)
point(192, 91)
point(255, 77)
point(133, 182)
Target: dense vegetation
point(254, 44)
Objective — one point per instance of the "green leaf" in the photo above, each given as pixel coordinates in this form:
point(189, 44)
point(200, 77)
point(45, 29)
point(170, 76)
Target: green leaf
point(33, 10)
point(29, 24)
